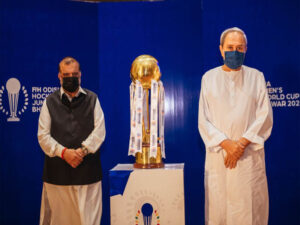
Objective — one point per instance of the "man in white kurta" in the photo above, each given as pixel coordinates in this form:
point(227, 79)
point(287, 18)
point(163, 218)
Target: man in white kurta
point(235, 119)
point(72, 192)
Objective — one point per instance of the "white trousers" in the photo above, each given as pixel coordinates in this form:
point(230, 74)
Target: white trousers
point(236, 196)
point(71, 204)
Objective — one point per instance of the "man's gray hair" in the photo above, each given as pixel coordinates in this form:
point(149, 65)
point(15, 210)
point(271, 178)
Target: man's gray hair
point(230, 30)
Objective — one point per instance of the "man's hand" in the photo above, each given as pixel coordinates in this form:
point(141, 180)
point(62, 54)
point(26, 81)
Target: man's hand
point(230, 162)
point(243, 142)
point(234, 152)
point(73, 157)
point(81, 152)
point(232, 148)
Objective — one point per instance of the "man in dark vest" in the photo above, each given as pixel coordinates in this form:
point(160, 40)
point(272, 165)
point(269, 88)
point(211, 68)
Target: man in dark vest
point(70, 132)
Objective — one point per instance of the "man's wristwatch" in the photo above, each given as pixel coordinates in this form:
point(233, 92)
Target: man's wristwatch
point(85, 150)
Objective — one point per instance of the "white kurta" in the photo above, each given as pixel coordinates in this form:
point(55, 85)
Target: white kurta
point(71, 204)
point(234, 105)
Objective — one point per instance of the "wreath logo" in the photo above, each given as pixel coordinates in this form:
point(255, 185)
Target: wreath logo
point(13, 88)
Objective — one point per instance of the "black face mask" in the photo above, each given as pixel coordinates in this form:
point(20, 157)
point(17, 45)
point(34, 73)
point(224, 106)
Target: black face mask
point(70, 84)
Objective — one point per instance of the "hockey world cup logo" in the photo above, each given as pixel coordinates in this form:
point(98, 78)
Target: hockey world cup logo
point(13, 87)
point(147, 211)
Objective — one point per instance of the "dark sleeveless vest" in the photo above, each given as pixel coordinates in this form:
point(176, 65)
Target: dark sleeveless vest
point(71, 123)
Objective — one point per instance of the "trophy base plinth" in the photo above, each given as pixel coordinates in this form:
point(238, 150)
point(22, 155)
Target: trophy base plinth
point(149, 166)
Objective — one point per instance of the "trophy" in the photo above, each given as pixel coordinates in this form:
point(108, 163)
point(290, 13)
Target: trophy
point(13, 88)
point(146, 117)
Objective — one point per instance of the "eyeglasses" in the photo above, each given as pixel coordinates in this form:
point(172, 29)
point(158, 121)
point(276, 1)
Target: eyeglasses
point(74, 74)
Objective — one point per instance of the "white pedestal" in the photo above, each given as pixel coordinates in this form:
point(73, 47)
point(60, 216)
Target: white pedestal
point(159, 190)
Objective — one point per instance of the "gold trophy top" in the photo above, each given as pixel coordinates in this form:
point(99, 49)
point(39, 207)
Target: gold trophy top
point(144, 69)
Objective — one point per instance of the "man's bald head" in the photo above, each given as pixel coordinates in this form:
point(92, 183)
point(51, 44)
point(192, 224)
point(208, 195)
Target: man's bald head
point(67, 61)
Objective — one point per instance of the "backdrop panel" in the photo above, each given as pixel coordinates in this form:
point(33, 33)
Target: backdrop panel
point(105, 38)
point(34, 37)
point(184, 37)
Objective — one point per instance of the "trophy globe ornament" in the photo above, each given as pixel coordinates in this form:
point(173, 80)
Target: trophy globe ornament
point(145, 68)
point(146, 113)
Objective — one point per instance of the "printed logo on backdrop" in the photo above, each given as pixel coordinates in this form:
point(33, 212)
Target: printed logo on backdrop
point(15, 99)
point(38, 95)
point(281, 98)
